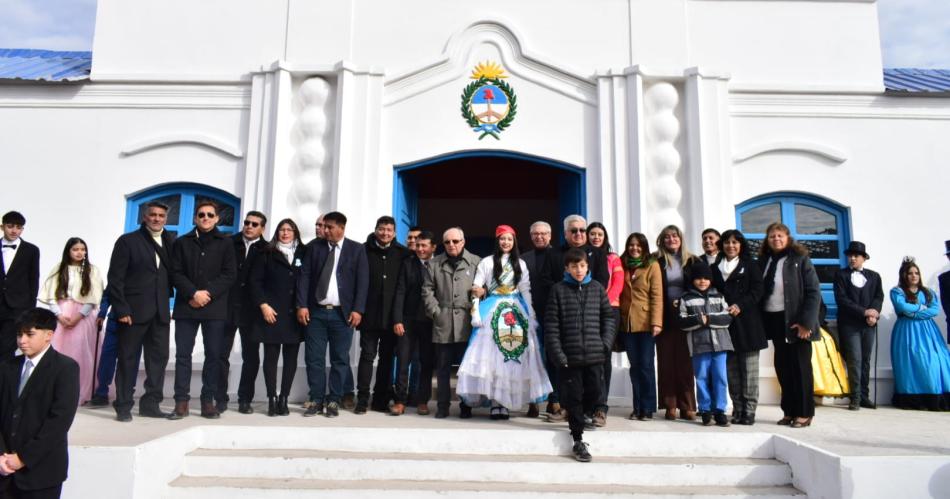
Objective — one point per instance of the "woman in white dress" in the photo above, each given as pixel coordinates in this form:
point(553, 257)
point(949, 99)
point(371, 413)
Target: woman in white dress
point(502, 365)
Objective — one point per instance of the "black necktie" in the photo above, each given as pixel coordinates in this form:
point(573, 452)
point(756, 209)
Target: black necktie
point(323, 284)
point(11, 246)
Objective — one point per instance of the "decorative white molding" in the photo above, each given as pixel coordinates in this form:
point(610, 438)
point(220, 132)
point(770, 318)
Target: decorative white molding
point(127, 96)
point(825, 151)
point(873, 106)
point(171, 139)
point(516, 58)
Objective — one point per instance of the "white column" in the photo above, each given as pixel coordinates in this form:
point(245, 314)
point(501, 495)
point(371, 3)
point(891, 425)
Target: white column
point(709, 169)
point(635, 185)
point(361, 186)
point(609, 183)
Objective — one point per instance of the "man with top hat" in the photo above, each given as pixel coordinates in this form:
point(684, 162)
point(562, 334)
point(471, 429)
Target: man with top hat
point(944, 281)
point(859, 296)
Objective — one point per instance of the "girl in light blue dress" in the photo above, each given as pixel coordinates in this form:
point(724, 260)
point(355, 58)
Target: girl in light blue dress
point(919, 356)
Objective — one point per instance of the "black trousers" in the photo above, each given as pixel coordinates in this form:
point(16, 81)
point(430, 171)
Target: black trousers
point(446, 354)
point(271, 354)
point(8, 332)
point(9, 490)
point(579, 387)
point(858, 344)
point(250, 364)
point(418, 339)
point(792, 367)
point(152, 337)
point(375, 341)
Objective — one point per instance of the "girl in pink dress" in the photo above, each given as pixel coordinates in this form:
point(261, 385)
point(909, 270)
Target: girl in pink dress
point(72, 291)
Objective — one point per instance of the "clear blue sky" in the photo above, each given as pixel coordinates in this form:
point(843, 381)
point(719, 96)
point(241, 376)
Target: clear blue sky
point(914, 33)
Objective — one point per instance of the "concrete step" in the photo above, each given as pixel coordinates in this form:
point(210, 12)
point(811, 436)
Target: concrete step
point(258, 488)
point(538, 469)
point(532, 440)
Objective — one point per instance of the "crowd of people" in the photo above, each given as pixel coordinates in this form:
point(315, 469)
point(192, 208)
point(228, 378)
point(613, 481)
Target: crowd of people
point(526, 327)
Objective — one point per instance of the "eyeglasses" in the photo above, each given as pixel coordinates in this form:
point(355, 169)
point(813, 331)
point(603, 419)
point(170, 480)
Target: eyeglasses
point(251, 223)
point(451, 241)
point(577, 230)
point(207, 214)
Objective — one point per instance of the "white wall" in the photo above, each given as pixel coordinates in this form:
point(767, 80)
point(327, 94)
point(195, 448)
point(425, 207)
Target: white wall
point(892, 180)
point(813, 43)
point(62, 154)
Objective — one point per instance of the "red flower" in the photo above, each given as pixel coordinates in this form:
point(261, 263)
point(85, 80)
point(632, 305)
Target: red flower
point(510, 319)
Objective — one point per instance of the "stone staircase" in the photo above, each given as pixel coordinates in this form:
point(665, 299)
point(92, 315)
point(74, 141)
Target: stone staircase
point(425, 462)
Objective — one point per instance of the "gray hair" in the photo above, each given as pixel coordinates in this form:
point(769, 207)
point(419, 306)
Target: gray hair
point(461, 232)
point(540, 223)
point(571, 219)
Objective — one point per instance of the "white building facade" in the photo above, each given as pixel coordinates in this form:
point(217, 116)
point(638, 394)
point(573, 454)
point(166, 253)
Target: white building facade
point(636, 113)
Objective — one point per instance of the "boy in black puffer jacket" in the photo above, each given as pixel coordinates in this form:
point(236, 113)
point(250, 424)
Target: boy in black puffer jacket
point(579, 330)
point(705, 318)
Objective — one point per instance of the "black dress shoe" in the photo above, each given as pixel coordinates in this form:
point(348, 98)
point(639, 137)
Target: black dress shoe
point(854, 405)
point(123, 417)
point(282, 409)
point(465, 411)
point(245, 408)
point(747, 419)
point(442, 413)
point(98, 401)
point(153, 412)
point(271, 406)
point(361, 407)
point(221, 406)
point(867, 404)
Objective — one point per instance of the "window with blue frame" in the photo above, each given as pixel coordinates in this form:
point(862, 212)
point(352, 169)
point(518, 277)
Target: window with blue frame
point(181, 200)
point(818, 224)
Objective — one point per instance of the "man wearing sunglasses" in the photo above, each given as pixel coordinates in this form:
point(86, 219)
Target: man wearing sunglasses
point(246, 245)
point(203, 271)
point(445, 293)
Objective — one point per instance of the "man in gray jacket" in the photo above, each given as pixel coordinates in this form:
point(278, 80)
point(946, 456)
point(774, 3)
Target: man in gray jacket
point(445, 294)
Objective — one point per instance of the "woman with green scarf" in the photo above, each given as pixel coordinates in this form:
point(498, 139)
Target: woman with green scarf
point(641, 320)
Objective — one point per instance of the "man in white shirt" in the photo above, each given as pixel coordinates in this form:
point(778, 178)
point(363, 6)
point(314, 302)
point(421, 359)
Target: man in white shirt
point(331, 301)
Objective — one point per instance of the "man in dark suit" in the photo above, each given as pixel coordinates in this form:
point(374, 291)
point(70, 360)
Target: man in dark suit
point(246, 245)
point(39, 392)
point(19, 280)
point(203, 271)
point(331, 300)
point(944, 282)
point(537, 260)
point(859, 296)
point(139, 289)
point(413, 328)
point(384, 256)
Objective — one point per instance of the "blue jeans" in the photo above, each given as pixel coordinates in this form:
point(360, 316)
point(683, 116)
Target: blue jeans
point(108, 358)
point(711, 383)
point(641, 349)
point(212, 332)
point(327, 327)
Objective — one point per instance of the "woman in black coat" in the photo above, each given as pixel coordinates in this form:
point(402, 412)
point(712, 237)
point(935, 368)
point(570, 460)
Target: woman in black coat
point(739, 280)
point(273, 282)
point(791, 298)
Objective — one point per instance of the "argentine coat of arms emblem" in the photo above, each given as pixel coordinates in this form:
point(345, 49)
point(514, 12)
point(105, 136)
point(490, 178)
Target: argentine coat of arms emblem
point(510, 331)
point(489, 103)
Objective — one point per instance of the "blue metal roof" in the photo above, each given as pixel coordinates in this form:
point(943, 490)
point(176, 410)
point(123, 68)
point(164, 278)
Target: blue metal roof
point(48, 65)
point(917, 81)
